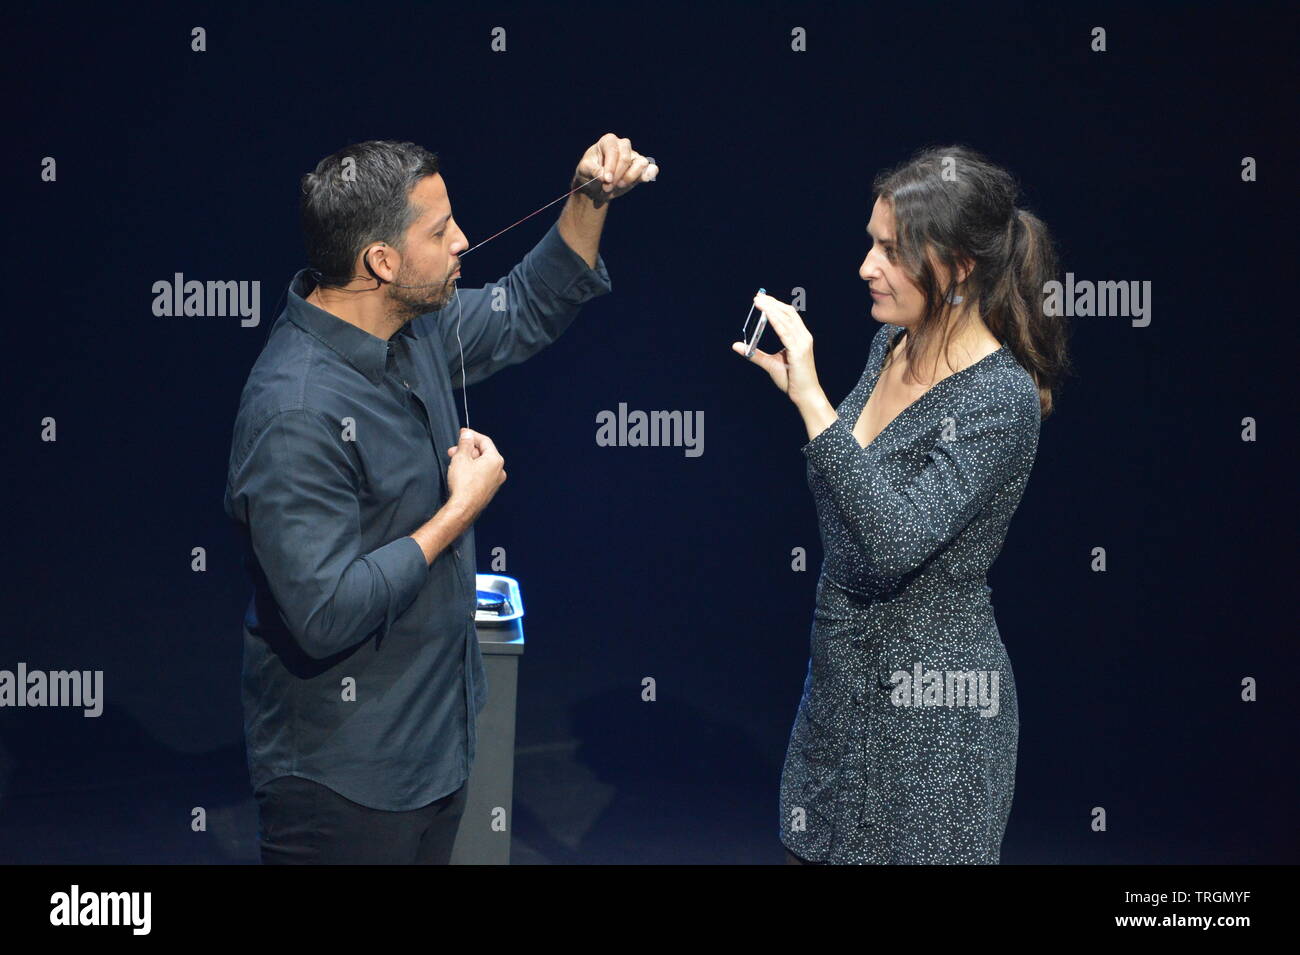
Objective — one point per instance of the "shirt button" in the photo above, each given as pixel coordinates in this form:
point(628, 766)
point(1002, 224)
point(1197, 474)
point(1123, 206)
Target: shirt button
point(456, 551)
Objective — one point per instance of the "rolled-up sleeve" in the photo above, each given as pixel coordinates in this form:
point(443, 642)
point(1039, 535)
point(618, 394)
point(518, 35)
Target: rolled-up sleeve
point(520, 314)
point(296, 493)
point(899, 526)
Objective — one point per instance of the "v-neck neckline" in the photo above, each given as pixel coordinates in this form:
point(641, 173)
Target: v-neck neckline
point(875, 379)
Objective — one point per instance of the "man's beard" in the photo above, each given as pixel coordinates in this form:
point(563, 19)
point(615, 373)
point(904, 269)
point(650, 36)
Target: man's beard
point(407, 303)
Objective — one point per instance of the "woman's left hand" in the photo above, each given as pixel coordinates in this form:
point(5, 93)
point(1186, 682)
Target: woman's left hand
point(792, 368)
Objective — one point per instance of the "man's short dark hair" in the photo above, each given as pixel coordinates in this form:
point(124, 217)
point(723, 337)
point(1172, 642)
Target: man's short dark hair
point(357, 196)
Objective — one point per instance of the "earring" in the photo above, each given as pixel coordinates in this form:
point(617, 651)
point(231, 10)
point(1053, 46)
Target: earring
point(954, 298)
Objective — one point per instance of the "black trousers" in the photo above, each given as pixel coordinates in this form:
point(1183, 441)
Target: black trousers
point(301, 822)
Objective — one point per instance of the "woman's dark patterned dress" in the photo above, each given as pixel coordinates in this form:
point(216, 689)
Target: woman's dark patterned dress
point(904, 744)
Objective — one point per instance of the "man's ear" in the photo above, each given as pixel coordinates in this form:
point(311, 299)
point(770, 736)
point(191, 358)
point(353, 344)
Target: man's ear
point(376, 257)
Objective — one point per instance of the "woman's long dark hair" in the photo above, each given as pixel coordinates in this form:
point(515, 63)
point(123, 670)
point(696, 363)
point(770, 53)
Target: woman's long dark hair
point(953, 204)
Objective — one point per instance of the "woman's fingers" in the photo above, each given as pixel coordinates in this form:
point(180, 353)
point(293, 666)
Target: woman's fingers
point(759, 357)
point(774, 365)
point(782, 317)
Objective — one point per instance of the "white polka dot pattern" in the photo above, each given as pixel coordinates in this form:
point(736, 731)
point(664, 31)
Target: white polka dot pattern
point(910, 525)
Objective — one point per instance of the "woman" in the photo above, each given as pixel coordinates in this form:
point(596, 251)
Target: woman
point(903, 748)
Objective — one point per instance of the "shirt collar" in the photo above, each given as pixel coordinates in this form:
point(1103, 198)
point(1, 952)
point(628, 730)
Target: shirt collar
point(366, 352)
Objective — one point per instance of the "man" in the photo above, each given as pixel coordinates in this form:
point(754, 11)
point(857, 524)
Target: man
point(356, 499)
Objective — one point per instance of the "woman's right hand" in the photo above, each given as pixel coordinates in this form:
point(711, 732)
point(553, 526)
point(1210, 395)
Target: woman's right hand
point(793, 366)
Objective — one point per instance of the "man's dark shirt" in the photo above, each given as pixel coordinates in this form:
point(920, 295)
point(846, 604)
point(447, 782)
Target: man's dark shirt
point(361, 665)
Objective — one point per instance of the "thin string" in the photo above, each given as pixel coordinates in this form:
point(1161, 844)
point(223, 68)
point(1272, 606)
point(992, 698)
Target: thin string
point(464, 385)
point(530, 215)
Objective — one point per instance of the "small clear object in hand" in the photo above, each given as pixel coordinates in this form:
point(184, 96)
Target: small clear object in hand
point(752, 343)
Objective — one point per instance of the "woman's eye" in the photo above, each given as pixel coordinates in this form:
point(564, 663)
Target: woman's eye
point(439, 235)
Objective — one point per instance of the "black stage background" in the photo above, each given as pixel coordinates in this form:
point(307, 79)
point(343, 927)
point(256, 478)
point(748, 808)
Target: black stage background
point(643, 562)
